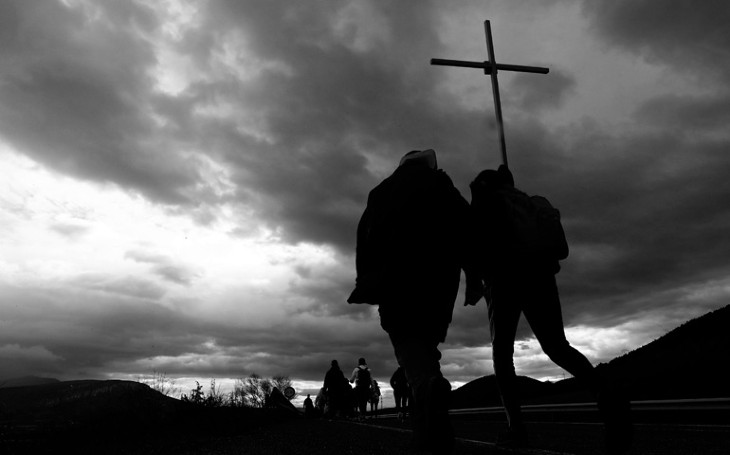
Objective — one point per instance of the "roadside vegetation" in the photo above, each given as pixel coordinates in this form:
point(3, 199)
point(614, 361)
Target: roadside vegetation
point(249, 392)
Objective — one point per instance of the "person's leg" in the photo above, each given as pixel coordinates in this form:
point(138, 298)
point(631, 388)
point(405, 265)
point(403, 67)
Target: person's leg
point(419, 356)
point(543, 313)
point(397, 398)
point(362, 400)
point(333, 404)
point(398, 403)
point(504, 314)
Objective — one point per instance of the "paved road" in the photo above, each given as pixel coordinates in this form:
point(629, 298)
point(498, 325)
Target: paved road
point(476, 435)
point(579, 437)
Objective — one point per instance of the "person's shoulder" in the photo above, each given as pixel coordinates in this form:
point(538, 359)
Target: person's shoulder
point(443, 181)
point(443, 176)
point(382, 189)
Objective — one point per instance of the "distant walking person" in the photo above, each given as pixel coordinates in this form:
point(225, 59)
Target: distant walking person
point(334, 387)
point(308, 406)
point(520, 242)
point(362, 378)
point(374, 398)
point(320, 401)
point(401, 391)
point(411, 248)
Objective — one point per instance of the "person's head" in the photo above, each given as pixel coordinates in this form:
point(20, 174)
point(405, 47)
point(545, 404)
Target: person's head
point(420, 157)
point(361, 361)
point(335, 364)
point(505, 175)
point(308, 395)
point(490, 180)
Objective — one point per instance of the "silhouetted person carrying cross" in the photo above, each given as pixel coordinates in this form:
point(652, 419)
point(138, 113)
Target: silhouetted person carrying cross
point(517, 271)
point(411, 248)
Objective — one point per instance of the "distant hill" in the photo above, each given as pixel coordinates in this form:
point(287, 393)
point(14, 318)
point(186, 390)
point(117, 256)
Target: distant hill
point(483, 392)
point(97, 416)
point(84, 401)
point(685, 363)
point(26, 381)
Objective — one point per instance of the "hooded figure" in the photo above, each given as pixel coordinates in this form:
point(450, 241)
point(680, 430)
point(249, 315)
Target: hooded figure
point(411, 247)
point(412, 244)
point(335, 387)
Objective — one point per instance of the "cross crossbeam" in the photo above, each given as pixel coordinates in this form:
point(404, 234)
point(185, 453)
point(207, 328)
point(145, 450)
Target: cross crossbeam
point(487, 66)
point(491, 67)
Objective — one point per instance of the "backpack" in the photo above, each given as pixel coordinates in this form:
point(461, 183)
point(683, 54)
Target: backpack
point(535, 226)
point(363, 378)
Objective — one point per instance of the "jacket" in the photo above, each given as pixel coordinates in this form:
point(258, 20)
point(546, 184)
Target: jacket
point(412, 243)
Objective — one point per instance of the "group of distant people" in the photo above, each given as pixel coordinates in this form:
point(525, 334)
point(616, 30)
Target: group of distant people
point(416, 235)
point(337, 398)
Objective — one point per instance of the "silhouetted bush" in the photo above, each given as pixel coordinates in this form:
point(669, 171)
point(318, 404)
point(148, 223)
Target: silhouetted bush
point(251, 392)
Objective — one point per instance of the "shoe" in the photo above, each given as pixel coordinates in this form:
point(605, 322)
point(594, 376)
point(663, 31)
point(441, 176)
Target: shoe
point(513, 437)
point(615, 410)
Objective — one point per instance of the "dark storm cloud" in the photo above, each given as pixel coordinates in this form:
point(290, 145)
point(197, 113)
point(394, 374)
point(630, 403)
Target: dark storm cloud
point(88, 331)
point(76, 93)
point(689, 113)
point(324, 90)
point(332, 105)
point(536, 93)
point(688, 36)
point(91, 335)
point(654, 202)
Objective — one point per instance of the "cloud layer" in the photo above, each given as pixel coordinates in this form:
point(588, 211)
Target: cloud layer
point(221, 154)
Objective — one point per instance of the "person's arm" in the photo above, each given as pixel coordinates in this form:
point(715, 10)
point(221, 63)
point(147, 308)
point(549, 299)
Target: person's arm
point(466, 230)
point(471, 257)
point(363, 259)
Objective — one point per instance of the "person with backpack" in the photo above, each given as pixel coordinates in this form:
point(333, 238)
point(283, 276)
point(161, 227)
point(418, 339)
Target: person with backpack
point(411, 248)
point(519, 243)
point(362, 378)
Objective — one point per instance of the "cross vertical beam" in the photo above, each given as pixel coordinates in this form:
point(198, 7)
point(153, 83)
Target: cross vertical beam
point(491, 67)
point(495, 90)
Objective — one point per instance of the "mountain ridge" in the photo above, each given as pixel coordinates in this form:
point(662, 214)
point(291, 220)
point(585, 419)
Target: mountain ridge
point(681, 364)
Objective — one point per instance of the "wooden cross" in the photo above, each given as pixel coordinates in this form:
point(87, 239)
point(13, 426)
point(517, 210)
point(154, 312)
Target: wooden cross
point(490, 67)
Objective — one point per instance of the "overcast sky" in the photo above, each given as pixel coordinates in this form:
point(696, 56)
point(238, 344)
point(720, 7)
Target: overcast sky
point(182, 180)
